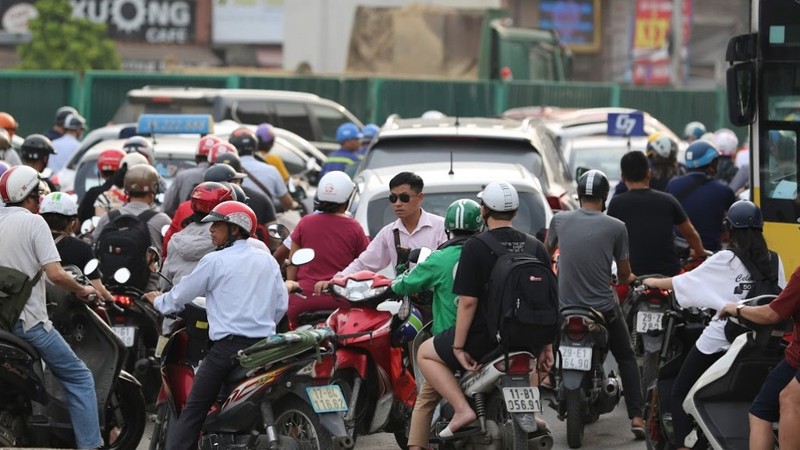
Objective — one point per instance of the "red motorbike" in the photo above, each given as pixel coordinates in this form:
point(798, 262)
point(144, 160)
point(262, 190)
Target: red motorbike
point(371, 362)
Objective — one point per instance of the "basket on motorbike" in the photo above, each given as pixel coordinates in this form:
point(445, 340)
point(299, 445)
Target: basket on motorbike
point(280, 346)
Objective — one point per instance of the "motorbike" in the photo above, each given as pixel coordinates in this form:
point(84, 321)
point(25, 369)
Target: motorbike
point(720, 399)
point(33, 410)
point(583, 390)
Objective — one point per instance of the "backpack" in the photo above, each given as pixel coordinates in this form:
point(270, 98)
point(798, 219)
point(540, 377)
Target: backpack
point(522, 299)
point(762, 285)
point(123, 243)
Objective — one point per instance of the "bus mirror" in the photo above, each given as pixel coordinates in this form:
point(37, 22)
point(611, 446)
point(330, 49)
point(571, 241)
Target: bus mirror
point(742, 48)
point(741, 79)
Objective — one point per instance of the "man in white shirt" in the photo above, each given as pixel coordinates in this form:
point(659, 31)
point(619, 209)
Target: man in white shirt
point(66, 145)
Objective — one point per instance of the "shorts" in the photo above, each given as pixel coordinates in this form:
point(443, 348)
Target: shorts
point(767, 405)
point(477, 345)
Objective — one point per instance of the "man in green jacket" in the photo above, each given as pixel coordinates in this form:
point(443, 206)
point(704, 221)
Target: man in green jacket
point(462, 220)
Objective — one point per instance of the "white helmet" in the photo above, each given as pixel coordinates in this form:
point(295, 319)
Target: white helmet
point(726, 141)
point(335, 187)
point(500, 196)
point(17, 183)
point(693, 131)
point(432, 115)
point(662, 145)
point(133, 159)
point(59, 203)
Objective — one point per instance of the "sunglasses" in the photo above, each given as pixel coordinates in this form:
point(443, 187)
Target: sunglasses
point(404, 197)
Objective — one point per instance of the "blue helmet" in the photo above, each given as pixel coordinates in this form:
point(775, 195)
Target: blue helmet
point(369, 131)
point(700, 154)
point(409, 328)
point(744, 214)
point(347, 131)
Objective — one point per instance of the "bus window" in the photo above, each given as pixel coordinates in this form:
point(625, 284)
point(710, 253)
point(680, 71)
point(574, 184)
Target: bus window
point(780, 169)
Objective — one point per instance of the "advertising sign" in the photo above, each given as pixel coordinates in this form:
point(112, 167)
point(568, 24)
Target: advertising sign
point(247, 21)
point(625, 124)
point(576, 21)
point(652, 36)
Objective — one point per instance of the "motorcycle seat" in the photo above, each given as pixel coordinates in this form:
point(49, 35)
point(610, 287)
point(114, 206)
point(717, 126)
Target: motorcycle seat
point(236, 375)
point(312, 317)
point(21, 343)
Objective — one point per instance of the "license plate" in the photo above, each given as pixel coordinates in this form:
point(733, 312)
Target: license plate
point(325, 399)
point(522, 399)
point(576, 358)
point(127, 334)
point(646, 321)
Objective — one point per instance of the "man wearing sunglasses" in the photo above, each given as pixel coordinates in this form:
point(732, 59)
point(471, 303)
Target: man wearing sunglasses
point(414, 228)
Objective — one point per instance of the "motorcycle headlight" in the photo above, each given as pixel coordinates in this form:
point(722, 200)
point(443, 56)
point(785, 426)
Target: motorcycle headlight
point(357, 291)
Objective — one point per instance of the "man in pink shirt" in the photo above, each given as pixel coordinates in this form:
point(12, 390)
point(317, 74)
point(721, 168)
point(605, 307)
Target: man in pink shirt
point(414, 228)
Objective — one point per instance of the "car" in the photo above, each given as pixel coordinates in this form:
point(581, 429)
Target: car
point(371, 208)
point(474, 139)
point(600, 152)
point(308, 115)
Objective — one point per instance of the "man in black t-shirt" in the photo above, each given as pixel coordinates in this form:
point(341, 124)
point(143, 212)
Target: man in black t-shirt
point(649, 217)
point(468, 342)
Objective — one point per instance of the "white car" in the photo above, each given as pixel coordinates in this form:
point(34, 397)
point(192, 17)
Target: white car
point(371, 208)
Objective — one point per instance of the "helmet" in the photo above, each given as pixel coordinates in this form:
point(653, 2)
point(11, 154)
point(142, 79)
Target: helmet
point(744, 214)
point(593, 183)
point(231, 159)
point(235, 213)
point(59, 203)
point(369, 131)
point(140, 145)
point(221, 148)
point(74, 122)
point(133, 159)
point(63, 112)
point(244, 140)
point(141, 179)
point(347, 131)
point(662, 145)
point(36, 146)
point(432, 115)
point(222, 172)
point(693, 131)
point(264, 135)
point(3, 167)
point(464, 215)
point(700, 154)
point(8, 122)
point(726, 141)
point(238, 193)
point(500, 196)
point(335, 187)
point(206, 144)
point(410, 327)
point(17, 183)
point(205, 196)
point(110, 160)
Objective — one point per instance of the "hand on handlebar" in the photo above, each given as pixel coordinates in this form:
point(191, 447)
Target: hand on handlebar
point(87, 294)
point(321, 287)
point(151, 296)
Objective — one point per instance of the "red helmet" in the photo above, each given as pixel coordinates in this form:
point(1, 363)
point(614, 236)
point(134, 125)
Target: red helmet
point(221, 148)
point(109, 160)
point(8, 122)
point(209, 194)
point(206, 144)
point(235, 213)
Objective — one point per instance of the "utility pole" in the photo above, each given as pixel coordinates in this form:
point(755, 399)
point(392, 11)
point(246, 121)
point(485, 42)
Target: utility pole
point(677, 43)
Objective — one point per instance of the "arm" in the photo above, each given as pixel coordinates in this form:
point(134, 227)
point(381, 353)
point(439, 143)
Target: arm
point(421, 277)
point(190, 287)
point(466, 313)
point(62, 279)
point(287, 202)
point(624, 274)
point(101, 290)
point(376, 256)
point(763, 315)
point(291, 270)
point(693, 238)
point(659, 283)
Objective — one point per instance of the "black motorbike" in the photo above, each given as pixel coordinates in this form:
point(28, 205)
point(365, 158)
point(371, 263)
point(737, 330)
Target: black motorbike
point(33, 410)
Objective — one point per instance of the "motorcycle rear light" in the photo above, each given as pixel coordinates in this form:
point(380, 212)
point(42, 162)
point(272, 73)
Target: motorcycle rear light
point(576, 329)
point(124, 300)
point(517, 364)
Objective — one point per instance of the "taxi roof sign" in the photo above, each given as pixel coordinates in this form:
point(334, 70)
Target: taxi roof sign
point(175, 124)
point(626, 124)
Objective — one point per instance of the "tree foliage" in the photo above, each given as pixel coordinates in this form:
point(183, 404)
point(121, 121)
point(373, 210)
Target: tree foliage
point(61, 42)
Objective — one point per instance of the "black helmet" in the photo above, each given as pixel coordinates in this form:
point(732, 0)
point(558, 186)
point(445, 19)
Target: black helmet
point(245, 140)
point(238, 193)
point(744, 214)
point(222, 172)
point(35, 147)
point(593, 184)
point(63, 112)
point(231, 159)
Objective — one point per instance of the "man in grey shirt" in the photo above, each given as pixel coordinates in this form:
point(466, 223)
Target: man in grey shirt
point(589, 241)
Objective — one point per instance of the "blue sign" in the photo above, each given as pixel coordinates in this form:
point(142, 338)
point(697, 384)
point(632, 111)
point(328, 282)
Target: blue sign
point(626, 124)
point(175, 124)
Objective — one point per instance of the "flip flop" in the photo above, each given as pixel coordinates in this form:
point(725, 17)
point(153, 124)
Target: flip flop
point(446, 434)
point(638, 432)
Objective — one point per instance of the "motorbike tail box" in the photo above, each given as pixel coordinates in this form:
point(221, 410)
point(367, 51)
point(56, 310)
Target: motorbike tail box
point(21, 370)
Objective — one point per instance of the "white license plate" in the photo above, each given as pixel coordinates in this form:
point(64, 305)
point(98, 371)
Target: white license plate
point(646, 321)
point(325, 399)
point(127, 334)
point(522, 399)
point(576, 358)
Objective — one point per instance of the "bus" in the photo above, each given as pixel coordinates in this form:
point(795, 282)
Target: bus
point(763, 90)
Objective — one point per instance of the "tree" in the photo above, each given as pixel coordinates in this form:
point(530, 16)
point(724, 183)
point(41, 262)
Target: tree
point(61, 42)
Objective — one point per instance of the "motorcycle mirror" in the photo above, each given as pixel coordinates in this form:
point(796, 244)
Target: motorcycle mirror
point(122, 275)
point(95, 220)
point(303, 256)
point(390, 306)
point(153, 259)
point(91, 266)
point(164, 230)
point(419, 255)
point(278, 231)
point(87, 226)
point(310, 164)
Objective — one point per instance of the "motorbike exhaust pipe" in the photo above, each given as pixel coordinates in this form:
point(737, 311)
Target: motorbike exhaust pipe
point(543, 442)
point(344, 442)
point(611, 387)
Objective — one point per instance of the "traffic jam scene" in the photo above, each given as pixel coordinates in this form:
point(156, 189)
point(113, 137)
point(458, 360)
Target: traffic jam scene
point(399, 224)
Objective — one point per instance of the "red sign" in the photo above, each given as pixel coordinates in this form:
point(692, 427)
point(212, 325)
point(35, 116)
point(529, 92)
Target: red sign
point(651, 41)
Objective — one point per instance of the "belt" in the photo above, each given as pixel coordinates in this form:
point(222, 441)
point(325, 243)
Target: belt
point(238, 338)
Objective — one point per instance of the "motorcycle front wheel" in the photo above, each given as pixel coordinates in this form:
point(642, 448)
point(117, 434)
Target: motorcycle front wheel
point(514, 437)
point(296, 420)
point(125, 417)
point(575, 416)
point(165, 418)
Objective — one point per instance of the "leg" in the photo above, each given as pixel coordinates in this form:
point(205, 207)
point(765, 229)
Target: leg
point(74, 376)
point(761, 434)
point(765, 409)
point(620, 345)
point(788, 431)
point(694, 365)
point(441, 378)
point(422, 416)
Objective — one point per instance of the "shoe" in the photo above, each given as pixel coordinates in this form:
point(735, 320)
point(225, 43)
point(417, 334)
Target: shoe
point(638, 430)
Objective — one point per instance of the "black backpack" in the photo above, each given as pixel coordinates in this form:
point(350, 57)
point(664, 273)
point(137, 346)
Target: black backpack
point(762, 285)
point(522, 299)
point(123, 243)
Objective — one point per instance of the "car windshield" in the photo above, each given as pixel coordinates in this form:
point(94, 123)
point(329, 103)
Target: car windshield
point(605, 159)
point(87, 177)
point(131, 109)
point(531, 217)
point(392, 152)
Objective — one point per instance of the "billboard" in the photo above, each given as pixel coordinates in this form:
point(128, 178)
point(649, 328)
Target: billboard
point(652, 41)
point(247, 21)
point(576, 21)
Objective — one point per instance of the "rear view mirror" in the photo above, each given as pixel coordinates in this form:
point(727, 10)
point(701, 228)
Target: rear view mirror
point(122, 275)
point(164, 230)
point(87, 226)
point(580, 171)
point(91, 266)
point(741, 85)
point(278, 231)
point(303, 256)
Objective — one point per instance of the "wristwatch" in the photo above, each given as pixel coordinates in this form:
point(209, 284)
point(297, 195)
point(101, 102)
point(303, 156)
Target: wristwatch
point(739, 310)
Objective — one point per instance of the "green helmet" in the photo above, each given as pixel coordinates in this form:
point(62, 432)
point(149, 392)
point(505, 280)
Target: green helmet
point(463, 214)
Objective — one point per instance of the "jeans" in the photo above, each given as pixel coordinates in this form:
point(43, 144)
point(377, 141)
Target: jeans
point(74, 376)
point(619, 342)
point(694, 365)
